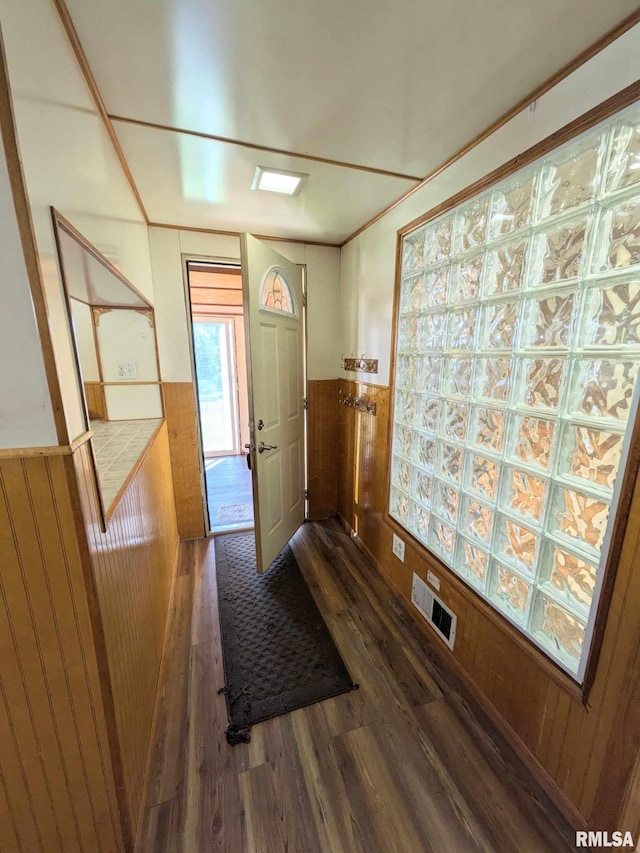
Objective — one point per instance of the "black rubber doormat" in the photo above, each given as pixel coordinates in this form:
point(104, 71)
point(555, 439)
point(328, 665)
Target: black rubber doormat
point(278, 652)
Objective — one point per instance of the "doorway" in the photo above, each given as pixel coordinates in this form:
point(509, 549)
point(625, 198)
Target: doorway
point(217, 319)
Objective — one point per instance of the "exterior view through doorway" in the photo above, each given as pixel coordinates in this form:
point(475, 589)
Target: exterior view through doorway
point(217, 316)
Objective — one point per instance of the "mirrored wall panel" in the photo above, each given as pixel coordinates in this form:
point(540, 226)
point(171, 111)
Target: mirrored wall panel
point(517, 355)
point(115, 343)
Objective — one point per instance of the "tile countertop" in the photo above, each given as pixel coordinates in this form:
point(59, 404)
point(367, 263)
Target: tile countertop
point(117, 446)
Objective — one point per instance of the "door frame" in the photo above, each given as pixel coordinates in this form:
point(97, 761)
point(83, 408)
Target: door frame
point(186, 258)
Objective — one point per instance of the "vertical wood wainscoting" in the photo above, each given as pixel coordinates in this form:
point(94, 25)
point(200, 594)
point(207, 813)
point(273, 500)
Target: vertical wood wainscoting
point(362, 465)
point(322, 450)
point(133, 568)
point(96, 401)
point(181, 414)
point(57, 789)
point(586, 757)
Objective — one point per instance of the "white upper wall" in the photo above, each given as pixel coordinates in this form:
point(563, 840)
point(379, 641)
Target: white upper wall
point(323, 273)
point(368, 261)
point(26, 416)
point(69, 163)
point(87, 354)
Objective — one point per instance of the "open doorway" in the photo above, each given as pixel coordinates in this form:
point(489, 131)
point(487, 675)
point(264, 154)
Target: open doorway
point(217, 317)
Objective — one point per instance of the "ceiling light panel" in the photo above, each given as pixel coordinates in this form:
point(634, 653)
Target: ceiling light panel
point(278, 180)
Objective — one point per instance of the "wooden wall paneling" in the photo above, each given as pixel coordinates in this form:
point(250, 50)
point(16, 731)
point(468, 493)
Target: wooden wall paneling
point(586, 756)
point(631, 810)
point(346, 459)
point(371, 467)
point(28, 802)
point(214, 296)
point(184, 445)
point(322, 452)
point(43, 481)
point(547, 723)
point(55, 757)
point(617, 683)
point(96, 402)
point(133, 566)
point(83, 478)
point(212, 275)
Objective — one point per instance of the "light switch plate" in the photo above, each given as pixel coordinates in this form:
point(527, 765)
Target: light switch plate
point(398, 547)
point(433, 580)
point(126, 370)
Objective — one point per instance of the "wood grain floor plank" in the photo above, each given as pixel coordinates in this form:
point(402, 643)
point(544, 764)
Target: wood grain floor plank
point(271, 817)
point(416, 685)
point(394, 825)
point(161, 828)
point(213, 819)
point(446, 819)
point(498, 805)
point(204, 622)
point(329, 594)
point(362, 663)
point(268, 744)
point(329, 799)
point(167, 756)
point(348, 711)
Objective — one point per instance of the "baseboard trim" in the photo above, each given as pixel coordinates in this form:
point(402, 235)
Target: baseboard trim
point(540, 774)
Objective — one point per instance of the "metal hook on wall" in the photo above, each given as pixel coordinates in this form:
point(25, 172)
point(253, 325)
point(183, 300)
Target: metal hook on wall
point(359, 365)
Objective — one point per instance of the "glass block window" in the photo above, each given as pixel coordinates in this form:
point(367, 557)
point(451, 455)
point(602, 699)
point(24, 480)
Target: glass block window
point(276, 292)
point(518, 348)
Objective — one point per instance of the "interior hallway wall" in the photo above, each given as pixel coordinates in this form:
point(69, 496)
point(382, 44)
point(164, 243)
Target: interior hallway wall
point(26, 411)
point(69, 162)
point(168, 246)
point(586, 756)
point(77, 710)
point(57, 787)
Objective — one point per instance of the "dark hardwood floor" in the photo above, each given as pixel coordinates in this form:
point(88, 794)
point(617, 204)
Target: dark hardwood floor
point(405, 764)
point(229, 486)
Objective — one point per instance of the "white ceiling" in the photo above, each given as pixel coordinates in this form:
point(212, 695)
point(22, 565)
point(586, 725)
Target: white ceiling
point(397, 86)
point(207, 184)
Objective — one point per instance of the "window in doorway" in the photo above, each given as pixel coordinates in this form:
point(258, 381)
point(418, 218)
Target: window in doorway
point(517, 355)
point(276, 292)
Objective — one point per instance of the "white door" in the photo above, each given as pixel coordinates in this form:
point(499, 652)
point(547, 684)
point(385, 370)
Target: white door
point(275, 347)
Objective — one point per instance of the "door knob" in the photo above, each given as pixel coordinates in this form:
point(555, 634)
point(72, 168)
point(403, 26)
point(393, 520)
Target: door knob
point(262, 447)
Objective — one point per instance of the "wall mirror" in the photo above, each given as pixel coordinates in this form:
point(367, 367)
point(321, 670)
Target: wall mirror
point(116, 351)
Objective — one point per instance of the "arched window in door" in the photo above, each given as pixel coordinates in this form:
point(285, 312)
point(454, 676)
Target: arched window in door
point(276, 292)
